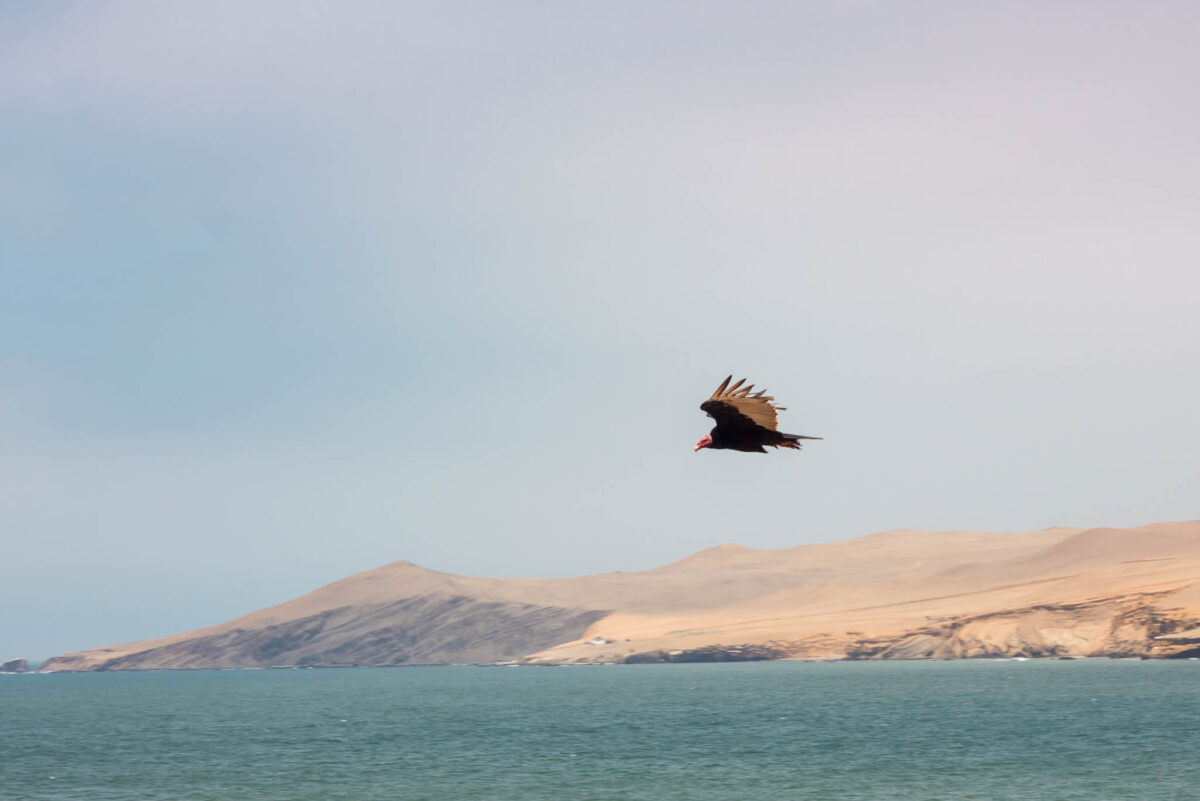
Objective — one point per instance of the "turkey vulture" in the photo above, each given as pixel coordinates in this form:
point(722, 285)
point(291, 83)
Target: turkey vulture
point(745, 422)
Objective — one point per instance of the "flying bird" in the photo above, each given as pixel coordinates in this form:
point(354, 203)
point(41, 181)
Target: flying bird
point(745, 422)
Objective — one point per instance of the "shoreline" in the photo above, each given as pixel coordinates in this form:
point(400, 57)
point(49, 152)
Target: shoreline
point(628, 662)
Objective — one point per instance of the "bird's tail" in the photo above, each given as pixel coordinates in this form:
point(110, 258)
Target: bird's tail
point(793, 440)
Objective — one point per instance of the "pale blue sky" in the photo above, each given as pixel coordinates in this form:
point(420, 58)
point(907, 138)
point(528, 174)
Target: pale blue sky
point(292, 290)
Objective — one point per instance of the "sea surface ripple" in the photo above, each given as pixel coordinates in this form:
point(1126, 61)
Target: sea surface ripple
point(986, 730)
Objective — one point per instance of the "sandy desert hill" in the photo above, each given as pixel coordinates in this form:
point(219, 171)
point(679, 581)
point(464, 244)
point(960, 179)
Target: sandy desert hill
point(897, 594)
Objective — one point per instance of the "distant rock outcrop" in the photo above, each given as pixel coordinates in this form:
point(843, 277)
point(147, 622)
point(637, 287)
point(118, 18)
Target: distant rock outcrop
point(18, 665)
point(711, 653)
point(427, 630)
point(896, 595)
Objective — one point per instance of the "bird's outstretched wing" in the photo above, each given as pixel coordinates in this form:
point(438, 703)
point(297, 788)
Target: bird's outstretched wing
point(736, 407)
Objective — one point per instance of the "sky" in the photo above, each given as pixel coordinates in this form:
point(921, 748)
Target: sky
point(291, 290)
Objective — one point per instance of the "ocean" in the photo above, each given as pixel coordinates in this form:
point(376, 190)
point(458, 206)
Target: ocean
point(877, 731)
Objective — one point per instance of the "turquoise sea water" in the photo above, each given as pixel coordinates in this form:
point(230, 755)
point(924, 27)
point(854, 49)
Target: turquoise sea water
point(894, 731)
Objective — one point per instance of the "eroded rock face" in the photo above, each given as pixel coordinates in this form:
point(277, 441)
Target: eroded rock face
point(19, 665)
point(1125, 626)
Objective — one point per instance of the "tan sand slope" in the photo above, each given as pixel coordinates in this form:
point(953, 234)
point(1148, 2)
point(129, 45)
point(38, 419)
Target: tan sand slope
point(898, 594)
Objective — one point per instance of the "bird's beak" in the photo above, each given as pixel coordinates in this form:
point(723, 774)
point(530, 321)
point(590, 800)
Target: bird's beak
point(695, 449)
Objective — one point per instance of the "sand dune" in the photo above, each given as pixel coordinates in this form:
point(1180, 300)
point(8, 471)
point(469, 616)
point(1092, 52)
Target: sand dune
point(896, 594)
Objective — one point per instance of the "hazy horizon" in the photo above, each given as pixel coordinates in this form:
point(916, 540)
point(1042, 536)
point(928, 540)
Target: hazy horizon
point(292, 291)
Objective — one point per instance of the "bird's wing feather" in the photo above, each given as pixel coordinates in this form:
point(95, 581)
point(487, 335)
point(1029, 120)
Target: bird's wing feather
point(736, 406)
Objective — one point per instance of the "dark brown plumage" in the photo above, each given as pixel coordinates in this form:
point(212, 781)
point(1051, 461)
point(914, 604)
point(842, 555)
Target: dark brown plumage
point(745, 422)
